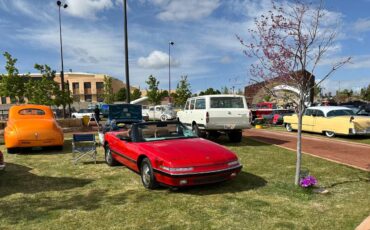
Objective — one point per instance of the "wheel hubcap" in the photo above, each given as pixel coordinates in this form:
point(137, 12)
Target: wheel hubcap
point(146, 174)
point(107, 156)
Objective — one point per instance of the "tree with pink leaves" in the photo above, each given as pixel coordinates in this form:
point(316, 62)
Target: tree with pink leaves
point(289, 42)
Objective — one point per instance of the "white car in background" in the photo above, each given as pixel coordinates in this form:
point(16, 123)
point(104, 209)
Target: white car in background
point(218, 114)
point(161, 112)
point(83, 112)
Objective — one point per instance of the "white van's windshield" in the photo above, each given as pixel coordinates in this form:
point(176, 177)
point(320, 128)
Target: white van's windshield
point(227, 102)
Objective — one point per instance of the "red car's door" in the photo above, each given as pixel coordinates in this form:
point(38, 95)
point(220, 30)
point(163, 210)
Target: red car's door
point(124, 152)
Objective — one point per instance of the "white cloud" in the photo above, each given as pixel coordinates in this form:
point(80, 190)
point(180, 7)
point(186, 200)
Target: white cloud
point(87, 8)
point(225, 59)
point(35, 11)
point(174, 10)
point(357, 62)
point(362, 25)
point(156, 60)
point(332, 84)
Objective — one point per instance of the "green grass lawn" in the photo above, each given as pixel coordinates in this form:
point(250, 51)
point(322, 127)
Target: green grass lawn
point(44, 190)
point(358, 139)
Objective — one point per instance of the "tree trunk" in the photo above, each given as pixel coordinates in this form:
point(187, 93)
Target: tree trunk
point(299, 141)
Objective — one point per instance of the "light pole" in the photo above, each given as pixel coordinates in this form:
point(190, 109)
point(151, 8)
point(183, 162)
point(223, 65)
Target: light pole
point(169, 69)
point(126, 54)
point(59, 3)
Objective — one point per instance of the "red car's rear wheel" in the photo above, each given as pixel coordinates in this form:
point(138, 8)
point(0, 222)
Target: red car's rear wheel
point(108, 157)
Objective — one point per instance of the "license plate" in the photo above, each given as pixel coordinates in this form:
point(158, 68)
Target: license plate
point(229, 126)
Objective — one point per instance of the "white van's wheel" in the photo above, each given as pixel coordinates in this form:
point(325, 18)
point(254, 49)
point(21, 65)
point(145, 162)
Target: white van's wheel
point(196, 130)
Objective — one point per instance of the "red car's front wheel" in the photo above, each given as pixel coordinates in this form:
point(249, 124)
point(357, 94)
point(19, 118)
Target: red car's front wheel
point(147, 175)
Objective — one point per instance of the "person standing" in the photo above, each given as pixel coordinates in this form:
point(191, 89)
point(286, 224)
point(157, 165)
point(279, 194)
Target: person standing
point(97, 113)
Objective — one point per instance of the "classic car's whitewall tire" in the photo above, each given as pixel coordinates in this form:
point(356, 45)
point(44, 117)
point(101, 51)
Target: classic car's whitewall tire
point(163, 117)
point(147, 175)
point(288, 127)
point(108, 157)
point(329, 134)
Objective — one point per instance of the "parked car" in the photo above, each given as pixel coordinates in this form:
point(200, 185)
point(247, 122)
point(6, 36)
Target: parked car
point(83, 112)
point(217, 114)
point(161, 112)
point(330, 120)
point(2, 162)
point(32, 126)
point(169, 153)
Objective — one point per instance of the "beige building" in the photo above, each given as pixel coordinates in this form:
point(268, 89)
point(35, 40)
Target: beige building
point(88, 87)
point(84, 87)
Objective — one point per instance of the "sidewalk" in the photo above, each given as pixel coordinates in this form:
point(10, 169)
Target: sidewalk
point(342, 152)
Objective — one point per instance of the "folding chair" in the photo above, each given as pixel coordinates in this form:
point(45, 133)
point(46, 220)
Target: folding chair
point(84, 145)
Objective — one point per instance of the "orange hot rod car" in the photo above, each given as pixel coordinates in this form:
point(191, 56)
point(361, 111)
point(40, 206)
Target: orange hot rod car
point(32, 126)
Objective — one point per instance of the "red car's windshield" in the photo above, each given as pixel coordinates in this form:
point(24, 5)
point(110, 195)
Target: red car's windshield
point(163, 131)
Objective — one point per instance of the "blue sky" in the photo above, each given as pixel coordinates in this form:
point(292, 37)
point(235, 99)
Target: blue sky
point(205, 49)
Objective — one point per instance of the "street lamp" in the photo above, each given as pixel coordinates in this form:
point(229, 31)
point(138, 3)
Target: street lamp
point(59, 3)
point(169, 69)
point(126, 54)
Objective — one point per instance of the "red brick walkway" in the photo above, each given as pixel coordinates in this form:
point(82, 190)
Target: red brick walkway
point(348, 153)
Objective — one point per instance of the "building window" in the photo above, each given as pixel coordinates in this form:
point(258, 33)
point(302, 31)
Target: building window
point(75, 88)
point(87, 87)
point(88, 97)
point(3, 100)
point(99, 88)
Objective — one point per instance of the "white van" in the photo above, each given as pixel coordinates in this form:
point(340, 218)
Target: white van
point(217, 114)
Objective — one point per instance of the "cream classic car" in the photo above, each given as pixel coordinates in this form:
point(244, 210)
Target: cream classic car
point(330, 120)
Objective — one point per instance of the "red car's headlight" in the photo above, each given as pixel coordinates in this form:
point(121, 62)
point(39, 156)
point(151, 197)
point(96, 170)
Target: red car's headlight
point(185, 169)
point(233, 163)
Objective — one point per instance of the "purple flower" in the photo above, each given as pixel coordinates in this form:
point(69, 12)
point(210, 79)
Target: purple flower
point(308, 181)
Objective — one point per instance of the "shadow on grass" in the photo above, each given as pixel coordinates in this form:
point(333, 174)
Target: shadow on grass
point(19, 179)
point(360, 179)
point(67, 149)
point(262, 140)
point(243, 182)
point(246, 141)
point(44, 208)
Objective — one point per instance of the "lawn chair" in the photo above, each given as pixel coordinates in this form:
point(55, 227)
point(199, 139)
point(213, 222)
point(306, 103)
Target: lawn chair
point(84, 145)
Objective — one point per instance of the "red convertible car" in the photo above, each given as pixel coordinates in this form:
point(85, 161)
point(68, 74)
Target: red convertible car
point(169, 153)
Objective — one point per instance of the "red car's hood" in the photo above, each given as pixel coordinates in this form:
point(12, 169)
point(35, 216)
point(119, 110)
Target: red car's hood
point(192, 151)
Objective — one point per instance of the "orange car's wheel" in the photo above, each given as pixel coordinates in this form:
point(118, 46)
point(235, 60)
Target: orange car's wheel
point(12, 150)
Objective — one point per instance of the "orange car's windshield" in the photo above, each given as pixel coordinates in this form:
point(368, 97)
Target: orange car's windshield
point(31, 112)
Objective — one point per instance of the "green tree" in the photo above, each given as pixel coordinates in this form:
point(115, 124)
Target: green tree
point(267, 98)
point(12, 84)
point(108, 90)
point(182, 91)
point(164, 93)
point(120, 95)
point(365, 93)
point(45, 91)
point(225, 90)
point(153, 93)
point(344, 95)
point(136, 94)
point(209, 91)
